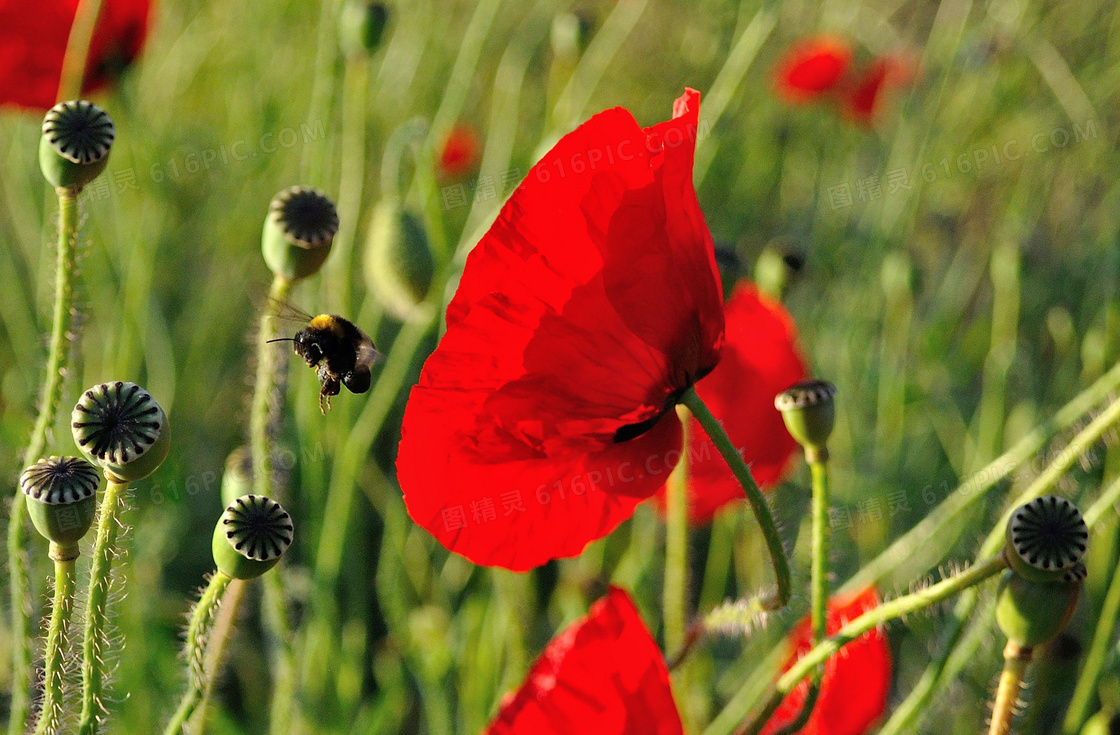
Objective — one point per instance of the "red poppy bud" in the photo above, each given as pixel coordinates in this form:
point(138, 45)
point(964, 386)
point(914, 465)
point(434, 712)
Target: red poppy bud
point(812, 67)
point(458, 154)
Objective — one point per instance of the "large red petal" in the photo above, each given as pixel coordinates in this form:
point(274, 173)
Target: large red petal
point(33, 39)
point(812, 67)
point(856, 681)
point(591, 303)
point(604, 675)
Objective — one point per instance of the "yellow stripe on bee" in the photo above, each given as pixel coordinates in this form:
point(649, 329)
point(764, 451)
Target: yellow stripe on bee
point(326, 321)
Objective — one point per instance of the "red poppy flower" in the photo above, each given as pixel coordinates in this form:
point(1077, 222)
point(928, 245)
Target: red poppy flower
point(760, 359)
point(812, 68)
point(604, 675)
point(458, 155)
point(856, 681)
point(863, 99)
point(33, 39)
point(545, 414)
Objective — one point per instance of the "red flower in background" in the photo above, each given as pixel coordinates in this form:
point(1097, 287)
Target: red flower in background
point(458, 154)
point(545, 414)
point(33, 37)
point(856, 681)
point(760, 359)
point(812, 68)
point(821, 68)
point(604, 675)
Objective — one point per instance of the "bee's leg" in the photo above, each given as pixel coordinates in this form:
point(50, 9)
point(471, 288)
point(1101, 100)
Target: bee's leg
point(330, 387)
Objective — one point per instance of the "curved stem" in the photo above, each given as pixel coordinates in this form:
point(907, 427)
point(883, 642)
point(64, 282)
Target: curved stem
point(1015, 660)
point(201, 620)
point(758, 503)
point(65, 578)
point(216, 650)
point(896, 608)
point(97, 604)
point(57, 361)
point(265, 402)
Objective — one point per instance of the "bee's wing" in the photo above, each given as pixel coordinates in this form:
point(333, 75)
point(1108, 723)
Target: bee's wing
point(287, 310)
point(367, 354)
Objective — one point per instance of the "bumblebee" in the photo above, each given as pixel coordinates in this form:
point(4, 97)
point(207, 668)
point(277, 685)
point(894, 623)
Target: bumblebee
point(341, 353)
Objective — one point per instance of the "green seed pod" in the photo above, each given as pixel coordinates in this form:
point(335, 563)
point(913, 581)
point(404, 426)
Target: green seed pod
point(60, 499)
point(121, 428)
point(809, 413)
point(237, 479)
point(398, 261)
point(1046, 539)
point(74, 147)
point(775, 268)
point(298, 232)
point(1031, 613)
point(251, 536)
point(361, 27)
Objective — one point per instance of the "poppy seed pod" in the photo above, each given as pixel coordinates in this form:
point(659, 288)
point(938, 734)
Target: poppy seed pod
point(60, 499)
point(361, 27)
point(809, 412)
point(121, 428)
point(398, 261)
point(75, 144)
point(1031, 613)
point(298, 232)
point(251, 536)
point(1046, 539)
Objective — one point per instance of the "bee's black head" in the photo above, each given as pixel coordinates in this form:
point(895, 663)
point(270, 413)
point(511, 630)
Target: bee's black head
point(307, 346)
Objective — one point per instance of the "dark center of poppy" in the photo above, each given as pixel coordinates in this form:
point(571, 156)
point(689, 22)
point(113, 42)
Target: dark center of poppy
point(633, 431)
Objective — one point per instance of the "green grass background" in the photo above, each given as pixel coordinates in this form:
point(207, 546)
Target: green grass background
point(953, 316)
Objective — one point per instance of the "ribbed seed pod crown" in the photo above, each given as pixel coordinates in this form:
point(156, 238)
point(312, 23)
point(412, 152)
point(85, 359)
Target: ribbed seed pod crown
point(809, 411)
point(61, 497)
point(298, 232)
point(251, 536)
point(75, 144)
point(121, 428)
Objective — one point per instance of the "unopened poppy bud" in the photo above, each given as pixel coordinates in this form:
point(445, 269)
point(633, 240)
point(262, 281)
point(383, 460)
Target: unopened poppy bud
point(75, 144)
point(60, 500)
point(398, 260)
point(361, 27)
point(251, 536)
point(809, 412)
point(237, 479)
point(298, 232)
point(120, 427)
point(569, 36)
point(773, 270)
point(1046, 539)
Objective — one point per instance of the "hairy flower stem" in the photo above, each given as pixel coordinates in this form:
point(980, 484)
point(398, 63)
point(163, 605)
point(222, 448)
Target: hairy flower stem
point(896, 608)
point(758, 503)
point(97, 606)
point(265, 403)
point(201, 620)
point(57, 360)
point(1015, 660)
point(65, 578)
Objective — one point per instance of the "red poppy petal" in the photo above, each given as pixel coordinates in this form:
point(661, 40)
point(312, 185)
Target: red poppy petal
point(555, 357)
point(604, 675)
point(812, 67)
point(760, 359)
point(459, 153)
point(862, 101)
point(33, 39)
point(856, 681)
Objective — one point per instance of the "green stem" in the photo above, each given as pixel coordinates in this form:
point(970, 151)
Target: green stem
point(1099, 649)
point(201, 620)
point(265, 402)
point(675, 592)
point(275, 613)
point(758, 503)
point(77, 50)
point(1015, 660)
point(65, 578)
point(907, 714)
point(57, 360)
point(890, 610)
point(216, 650)
point(818, 465)
point(97, 606)
point(807, 708)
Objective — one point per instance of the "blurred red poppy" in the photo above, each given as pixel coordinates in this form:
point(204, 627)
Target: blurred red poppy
point(33, 38)
point(856, 681)
point(812, 68)
point(604, 675)
point(545, 414)
point(862, 100)
point(760, 359)
point(458, 154)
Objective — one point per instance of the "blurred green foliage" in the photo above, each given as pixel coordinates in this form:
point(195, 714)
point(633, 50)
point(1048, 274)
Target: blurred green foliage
point(953, 312)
